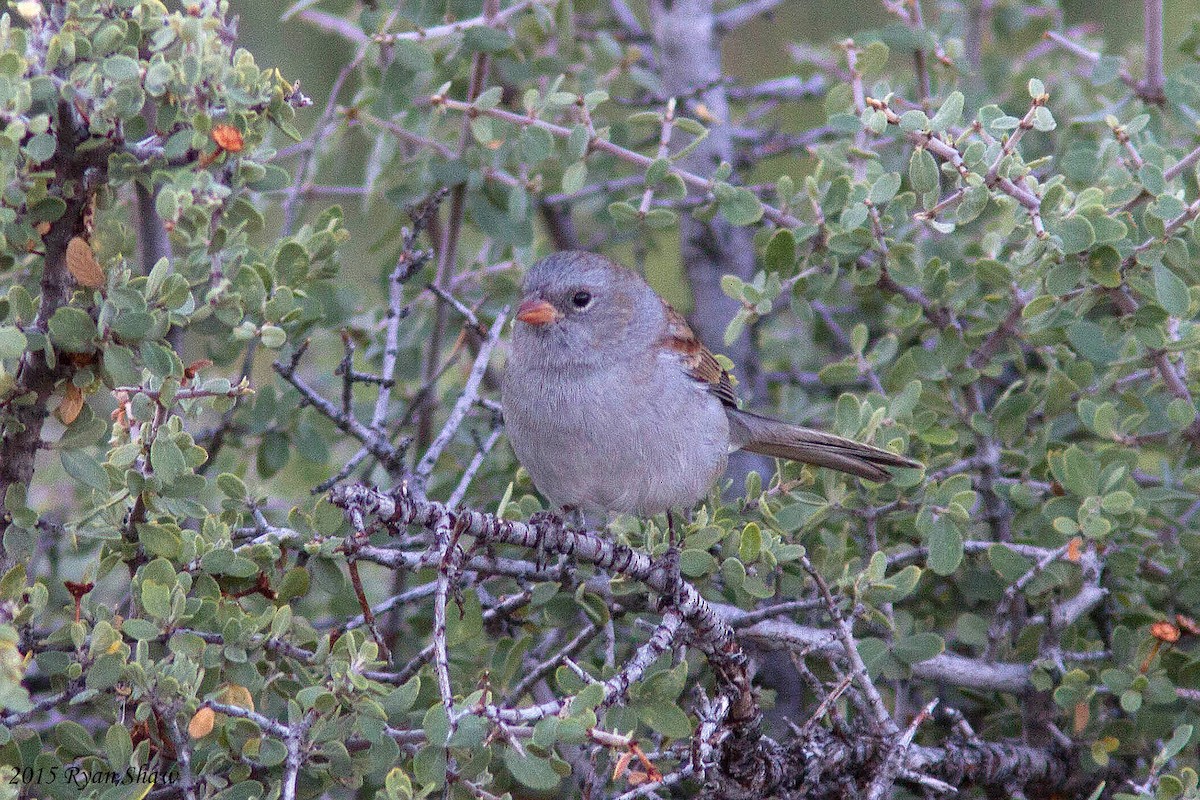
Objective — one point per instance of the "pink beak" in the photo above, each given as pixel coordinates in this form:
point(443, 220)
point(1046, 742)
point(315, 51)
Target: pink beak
point(537, 312)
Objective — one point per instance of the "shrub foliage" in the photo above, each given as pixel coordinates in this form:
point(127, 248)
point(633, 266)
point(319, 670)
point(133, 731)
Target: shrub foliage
point(261, 536)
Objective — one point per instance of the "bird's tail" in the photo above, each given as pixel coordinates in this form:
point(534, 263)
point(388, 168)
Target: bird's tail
point(772, 437)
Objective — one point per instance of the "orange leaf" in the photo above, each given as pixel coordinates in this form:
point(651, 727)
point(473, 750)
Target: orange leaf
point(622, 765)
point(71, 405)
point(228, 138)
point(239, 696)
point(1164, 631)
point(1082, 714)
point(202, 723)
point(1073, 548)
point(636, 777)
point(83, 265)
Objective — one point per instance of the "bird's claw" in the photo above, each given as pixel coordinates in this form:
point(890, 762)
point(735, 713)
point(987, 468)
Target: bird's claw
point(540, 521)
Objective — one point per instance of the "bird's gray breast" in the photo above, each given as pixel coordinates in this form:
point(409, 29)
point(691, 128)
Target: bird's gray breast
point(618, 439)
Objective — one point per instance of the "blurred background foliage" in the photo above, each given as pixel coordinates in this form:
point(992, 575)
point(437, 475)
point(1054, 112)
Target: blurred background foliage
point(754, 52)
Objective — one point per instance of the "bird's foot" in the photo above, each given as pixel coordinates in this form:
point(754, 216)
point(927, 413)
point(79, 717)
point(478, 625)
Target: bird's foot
point(670, 562)
point(672, 592)
point(540, 521)
point(547, 518)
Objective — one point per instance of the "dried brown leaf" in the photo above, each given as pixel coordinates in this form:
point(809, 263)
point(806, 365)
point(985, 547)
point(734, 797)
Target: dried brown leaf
point(202, 723)
point(71, 405)
point(81, 262)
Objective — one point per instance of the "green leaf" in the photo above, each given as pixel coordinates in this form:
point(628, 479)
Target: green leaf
point(74, 738)
point(885, 188)
point(577, 143)
point(1011, 565)
point(295, 584)
point(751, 544)
point(118, 746)
point(536, 145)
point(922, 171)
point(85, 468)
point(974, 201)
point(1104, 265)
point(666, 718)
point(872, 59)
point(232, 486)
point(623, 213)
point(1151, 176)
point(1089, 340)
point(573, 177)
point(1181, 412)
point(1179, 740)
point(945, 546)
point(142, 630)
point(1079, 473)
point(12, 342)
point(398, 785)
point(780, 256)
point(71, 329)
point(1171, 291)
point(657, 171)
point(949, 114)
point(274, 177)
point(166, 458)
point(489, 98)
point(273, 337)
point(1076, 233)
point(534, 772)
point(121, 68)
point(40, 148)
point(741, 207)
point(160, 540)
point(1043, 119)
point(659, 218)
point(48, 209)
point(156, 599)
point(483, 39)
point(903, 583)
point(914, 120)
point(919, 647)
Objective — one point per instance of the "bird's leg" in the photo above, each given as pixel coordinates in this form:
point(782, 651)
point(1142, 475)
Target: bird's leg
point(575, 518)
point(540, 520)
point(670, 561)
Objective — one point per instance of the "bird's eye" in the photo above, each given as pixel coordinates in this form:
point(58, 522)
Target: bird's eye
point(581, 300)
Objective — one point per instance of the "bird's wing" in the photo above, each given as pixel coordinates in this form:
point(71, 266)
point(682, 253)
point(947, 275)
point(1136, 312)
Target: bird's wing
point(696, 358)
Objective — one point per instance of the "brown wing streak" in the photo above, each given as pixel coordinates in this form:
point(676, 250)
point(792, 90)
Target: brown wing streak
point(699, 362)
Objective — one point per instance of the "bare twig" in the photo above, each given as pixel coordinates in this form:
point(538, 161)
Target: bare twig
point(463, 405)
point(741, 14)
point(1151, 89)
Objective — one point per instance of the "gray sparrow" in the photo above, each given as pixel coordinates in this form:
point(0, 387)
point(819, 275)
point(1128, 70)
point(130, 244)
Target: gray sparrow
point(613, 405)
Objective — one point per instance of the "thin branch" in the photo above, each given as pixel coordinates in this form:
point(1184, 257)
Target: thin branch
point(1090, 56)
point(463, 405)
point(740, 15)
point(460, 491)
point(603, 145)
point(495, 18)
point(447, 247)
point(792, 87)
point(1154, 80)
point(857, 667)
